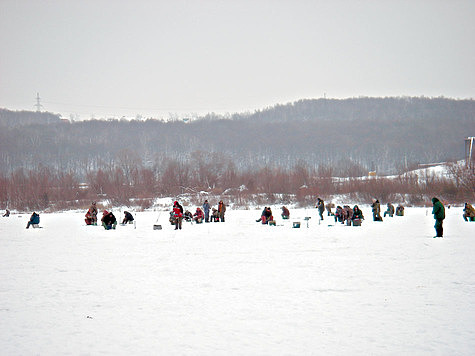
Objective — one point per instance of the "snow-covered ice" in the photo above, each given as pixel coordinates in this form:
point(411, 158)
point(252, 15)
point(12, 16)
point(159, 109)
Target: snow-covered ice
point(238, 288)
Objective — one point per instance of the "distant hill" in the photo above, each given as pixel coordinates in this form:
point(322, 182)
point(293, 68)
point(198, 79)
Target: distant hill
point(11, 119)
point(350, 136)
point(368, 109)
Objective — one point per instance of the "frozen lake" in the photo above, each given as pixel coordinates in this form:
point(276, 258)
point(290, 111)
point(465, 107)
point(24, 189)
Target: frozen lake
point(238, 287)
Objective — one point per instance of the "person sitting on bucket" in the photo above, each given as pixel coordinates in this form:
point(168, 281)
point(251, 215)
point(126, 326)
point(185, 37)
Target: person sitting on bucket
point(263, 213)
point(188, 216)
point(214, 215)
point(399, 210)
point(347, 214)
point(389, 211)
point(90, 218)
point(285, 213)
point(108, 220)
point(357, 213)
point(339, 214)
point(34, 220)
point(468, 212)
point(198, 216)
point(267, 215)
point(127, 218)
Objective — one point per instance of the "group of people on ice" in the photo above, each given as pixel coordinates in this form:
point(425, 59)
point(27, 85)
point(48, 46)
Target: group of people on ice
point(343, 214)
point(108, 220)
point(390, 211)
point(202, 214)
point(354, 216)
point(266, 215)
point(347, 215)
point(268, 218)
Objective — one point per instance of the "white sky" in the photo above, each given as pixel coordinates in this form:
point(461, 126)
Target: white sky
point(117, 57)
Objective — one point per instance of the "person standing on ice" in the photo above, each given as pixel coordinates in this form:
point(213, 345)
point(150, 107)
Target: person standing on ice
point(376, 207)
point(321, 207)
point(178, 215)
point(438, 211)
point(206, 208)
point(221, 210)
point(92, 214)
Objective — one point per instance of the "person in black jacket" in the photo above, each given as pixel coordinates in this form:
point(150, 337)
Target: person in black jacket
point(438, 211)
point(127, 218)
point(321, 207)
point(266, 215)
point(108, 220)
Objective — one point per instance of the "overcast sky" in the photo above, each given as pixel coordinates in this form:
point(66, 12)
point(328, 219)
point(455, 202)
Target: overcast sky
point(118, 57)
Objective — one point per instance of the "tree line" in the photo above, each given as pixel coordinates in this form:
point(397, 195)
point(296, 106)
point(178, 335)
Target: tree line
point(217, 177)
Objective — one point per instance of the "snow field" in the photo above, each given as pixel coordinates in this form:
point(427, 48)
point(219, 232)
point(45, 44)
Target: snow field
point(238, 287)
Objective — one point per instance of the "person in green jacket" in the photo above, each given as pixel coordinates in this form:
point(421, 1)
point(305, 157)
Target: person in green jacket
point(439, 215)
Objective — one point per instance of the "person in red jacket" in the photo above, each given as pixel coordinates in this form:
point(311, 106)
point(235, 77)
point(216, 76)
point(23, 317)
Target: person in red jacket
point(198, 216)
point(178, 214)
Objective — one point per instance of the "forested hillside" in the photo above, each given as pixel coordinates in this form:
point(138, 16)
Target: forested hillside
point(11, 119)
point(351, 136)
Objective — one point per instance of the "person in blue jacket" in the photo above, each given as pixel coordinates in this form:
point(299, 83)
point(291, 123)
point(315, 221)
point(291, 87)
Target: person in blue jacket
point(34, 220)
point(206, 208)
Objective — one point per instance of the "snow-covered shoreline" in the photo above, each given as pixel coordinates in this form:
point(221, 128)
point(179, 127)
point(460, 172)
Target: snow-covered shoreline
point(238, 287)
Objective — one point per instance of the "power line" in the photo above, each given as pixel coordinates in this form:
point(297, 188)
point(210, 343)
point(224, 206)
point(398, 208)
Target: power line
point(38, 105)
